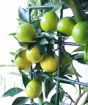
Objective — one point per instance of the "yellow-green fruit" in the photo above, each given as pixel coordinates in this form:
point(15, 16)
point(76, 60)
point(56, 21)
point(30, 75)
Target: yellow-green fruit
point(80, 32)
point(33, 55)
point(49, 21)
point(33, 89)
point(49, 63)
point(21, 61)
point(65, 25)
point(26, 32)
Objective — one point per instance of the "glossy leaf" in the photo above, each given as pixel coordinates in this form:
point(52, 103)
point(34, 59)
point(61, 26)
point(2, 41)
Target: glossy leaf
point(23, 14)
point(20, 101)
point(12, 92)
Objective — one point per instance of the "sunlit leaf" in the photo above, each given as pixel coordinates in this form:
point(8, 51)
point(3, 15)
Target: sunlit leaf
point(12, 92)
point(23, 14)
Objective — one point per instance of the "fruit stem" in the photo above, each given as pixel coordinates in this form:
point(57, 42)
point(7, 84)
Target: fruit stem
point(77, 9)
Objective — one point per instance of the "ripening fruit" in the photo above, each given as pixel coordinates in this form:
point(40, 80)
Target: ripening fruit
point(33, 89)
point(21, 61)
point(65, 25)
point(48, 22)
point(26, 32)
point(80, 32)
point(49, 63)
point(33, 54)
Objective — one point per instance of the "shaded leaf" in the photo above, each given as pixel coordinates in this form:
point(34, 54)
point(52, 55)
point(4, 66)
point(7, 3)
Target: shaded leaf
point(12, 34)
point(53, 98)
point(86, 52)
point(23, 14)
point(81, 48)
point(85, 89)
point(69, 70)
point(48, 86)
point(20, 101)
point(12, 92)
point(25, 78)
point(79, 57)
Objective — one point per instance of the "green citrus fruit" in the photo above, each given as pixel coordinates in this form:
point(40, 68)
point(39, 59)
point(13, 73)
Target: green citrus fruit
point(49, 63)
point(80, 32)
point(26, 32)
point(33, 89)
point(49, 21)
point(65, 25)
point(33, 54)
point(21, 61)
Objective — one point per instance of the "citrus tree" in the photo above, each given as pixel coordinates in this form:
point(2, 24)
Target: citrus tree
point(42, 59)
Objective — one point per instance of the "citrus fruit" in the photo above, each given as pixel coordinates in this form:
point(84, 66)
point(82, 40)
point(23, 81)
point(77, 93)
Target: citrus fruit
point(65, 25)
point(33, 54)
point(48, 22)
point(80, 32)
point(49, 63)
point(25, 32)
point(33, 89)
point(21, 61)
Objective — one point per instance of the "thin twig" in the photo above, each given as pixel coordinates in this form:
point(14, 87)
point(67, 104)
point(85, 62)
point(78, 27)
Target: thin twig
point(79, 97)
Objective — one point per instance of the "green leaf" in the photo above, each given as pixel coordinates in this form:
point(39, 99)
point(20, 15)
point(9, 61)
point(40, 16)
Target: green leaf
point(48, 86)
point(79, 57)
point(20, 101)
point(23, 44)
point(23, 14)
point(81, 48)
point(86, 52)
point(53, 98)
point(85, 89)
point(43, 41)
point(32, 2)
point(57, 4)
point(69, 70)
point(25, 78)
point(12, 34)
point(12, 92)
point(44, 1)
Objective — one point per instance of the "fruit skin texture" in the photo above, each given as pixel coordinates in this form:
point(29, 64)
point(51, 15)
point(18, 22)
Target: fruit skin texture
point(48, 22)
point(65, 25)
point(26, 32)
point(33, 55)
point(33, 89)
point(21, 61)
point(49, 63)
point(80, 32)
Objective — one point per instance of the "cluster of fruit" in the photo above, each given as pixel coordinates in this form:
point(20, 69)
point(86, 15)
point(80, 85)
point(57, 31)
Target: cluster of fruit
point(26, 32)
